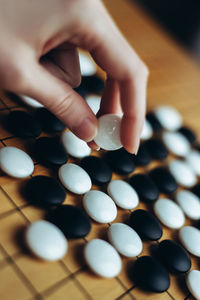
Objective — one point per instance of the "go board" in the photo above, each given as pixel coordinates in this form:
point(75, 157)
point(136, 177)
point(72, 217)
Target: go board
point(70, 277)
point(24, 277)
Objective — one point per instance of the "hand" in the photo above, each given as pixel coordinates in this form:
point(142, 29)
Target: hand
point(38, 58)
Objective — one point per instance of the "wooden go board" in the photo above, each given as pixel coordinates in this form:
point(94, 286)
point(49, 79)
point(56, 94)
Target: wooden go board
point(175, 80)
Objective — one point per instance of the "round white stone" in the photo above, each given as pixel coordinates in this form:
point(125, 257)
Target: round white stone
point(16, 162)
point(190, 238)
point(193, 159)
point(94, 102)
point(87, 65)
point(75, 146)
point(125, 239)
point(31, 102)
point(46, 240)
point(169, 117)
point(169, 213)
point(123, 194)
point(182, 172)
point(108, 135)
point(99, 206)
point(75, 178)
point(176, 143)
point(189, 203)
point(147, 131)
point(193, 283)
point(102, 258)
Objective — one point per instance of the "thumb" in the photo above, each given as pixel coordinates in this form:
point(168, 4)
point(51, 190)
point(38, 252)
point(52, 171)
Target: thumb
point(59, 97)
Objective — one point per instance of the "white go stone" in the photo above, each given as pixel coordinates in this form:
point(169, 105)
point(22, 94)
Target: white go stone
point(102, 258)
point(75, 146)
point(189, 203)
point(125, 239)
point(193, 283)
point(108, 135)
point(147, 131)
point(94, 102)
point(169, 213)
point(87, 65)
point(176, 143)
point(16, 162)
point(31, 102)
point(182, 172)
point(169, 117)
point(193, 159)
point(99, 206)
point(190, 238)
point(46, 241)
point(75, 178)
point(123, 194)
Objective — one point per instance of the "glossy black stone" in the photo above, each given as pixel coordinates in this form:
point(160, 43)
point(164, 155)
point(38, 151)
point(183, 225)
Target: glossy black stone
point(146, 225)
point(145, 187)
point(156, 149)
point(92, 84)
point(150, 275)
point(196, 189)
point(48, 121)
point(154, 122)
point(98, 170)
point(81, 91)
point(188, 133)
point(44, 191)
point(164, 180)
point(120, 161)
point(50, 151)
point(73, 221)
point(174, 256)
point(143, 157)
point(23, 124)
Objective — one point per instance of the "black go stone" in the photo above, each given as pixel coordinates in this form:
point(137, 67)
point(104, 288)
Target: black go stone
point(23, 124)
point(73, 221)
point(143, 157)
point(150, 275)
point(98, 170)
point(81, 91)
point(49, 122)
point(120, 161)
point(188, 134)
point(92, 84)
point(196, 190)
point(145, 187)
point(44, 191)
point(164, 180)
point(154, 122)
point(50, 151)
point(157, 149)
point(174, 256)
point(146, 225)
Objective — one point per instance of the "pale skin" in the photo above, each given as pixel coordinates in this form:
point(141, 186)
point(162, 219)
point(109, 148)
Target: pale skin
point(38, 58)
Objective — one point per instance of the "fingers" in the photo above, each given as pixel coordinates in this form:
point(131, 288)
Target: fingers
point(122, 65)
point(63, 62)
point(110, 102)
point(134, 111)
point(61, 100)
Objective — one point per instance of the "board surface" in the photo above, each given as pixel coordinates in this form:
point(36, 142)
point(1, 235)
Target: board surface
point(174, 80)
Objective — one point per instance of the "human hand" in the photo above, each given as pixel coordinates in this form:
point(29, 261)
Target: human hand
point(38, 58)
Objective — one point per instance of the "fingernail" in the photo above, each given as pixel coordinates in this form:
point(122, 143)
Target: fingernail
point(136, 148)
point(86, 130)
point(97, 149)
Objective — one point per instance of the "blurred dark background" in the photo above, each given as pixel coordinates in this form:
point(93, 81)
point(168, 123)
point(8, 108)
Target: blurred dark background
point(180, 18)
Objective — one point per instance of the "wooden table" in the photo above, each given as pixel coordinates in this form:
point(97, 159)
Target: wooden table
point(174, 76)
point(174, 79)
